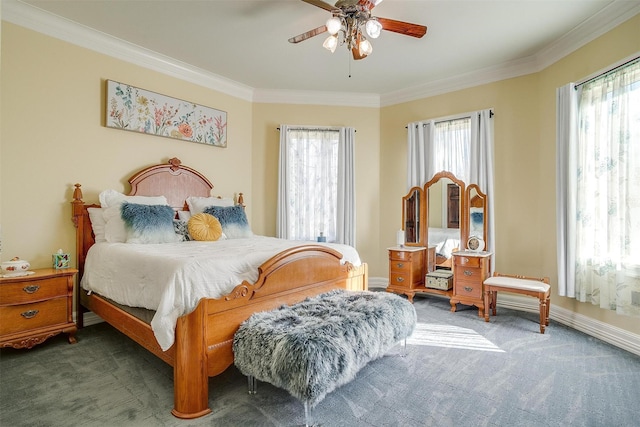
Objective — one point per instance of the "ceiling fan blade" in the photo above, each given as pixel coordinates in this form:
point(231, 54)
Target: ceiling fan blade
point(369, 4)
point(321, 4)
point(406, 28)
point(308, 34)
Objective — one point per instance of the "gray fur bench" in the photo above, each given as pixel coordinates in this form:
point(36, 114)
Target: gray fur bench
point(313, 347)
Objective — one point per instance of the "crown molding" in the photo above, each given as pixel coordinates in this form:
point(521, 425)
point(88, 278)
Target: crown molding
point(342, 99)
point(614, 14)
point(16, 12)
point(55, 26)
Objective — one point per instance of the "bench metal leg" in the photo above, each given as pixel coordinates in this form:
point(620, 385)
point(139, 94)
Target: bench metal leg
point(403, 348)
point(253, 384)
point(308, 419)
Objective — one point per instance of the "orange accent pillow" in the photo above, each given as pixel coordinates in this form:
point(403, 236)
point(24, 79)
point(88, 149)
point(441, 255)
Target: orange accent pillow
point(204, 227)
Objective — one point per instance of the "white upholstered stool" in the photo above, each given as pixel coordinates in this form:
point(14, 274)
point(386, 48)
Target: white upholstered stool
point(531, 286)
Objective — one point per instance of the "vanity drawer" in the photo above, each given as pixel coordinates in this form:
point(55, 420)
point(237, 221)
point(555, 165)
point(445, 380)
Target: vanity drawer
point(400, 255)
point(31, 291)
point(400, 266)
point(401, 279)
point(24, 317)
point(469, 274)
point(464, 261)
point(466, 289)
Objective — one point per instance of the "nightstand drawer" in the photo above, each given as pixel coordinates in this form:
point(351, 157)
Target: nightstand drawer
point(34, 290)
point(24, 317)
point(472, 290)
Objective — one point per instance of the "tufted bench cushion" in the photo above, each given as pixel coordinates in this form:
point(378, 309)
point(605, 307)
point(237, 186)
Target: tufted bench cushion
point(313, 347)
point(530, 286)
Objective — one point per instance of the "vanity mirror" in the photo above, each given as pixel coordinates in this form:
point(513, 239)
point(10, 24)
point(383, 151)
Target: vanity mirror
point(477, 215)
point(445, 213)
point(412, 209)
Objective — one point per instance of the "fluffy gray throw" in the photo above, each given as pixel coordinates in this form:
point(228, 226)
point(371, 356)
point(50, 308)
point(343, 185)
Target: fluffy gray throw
point(321, 343)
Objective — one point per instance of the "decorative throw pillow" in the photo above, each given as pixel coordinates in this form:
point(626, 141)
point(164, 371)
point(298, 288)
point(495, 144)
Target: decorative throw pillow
point(181, 229)
point(148, 223)
point(233, 220)
point(204, 227)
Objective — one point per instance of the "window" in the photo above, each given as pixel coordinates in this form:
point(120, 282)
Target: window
point(599, 161)
point(316, 190)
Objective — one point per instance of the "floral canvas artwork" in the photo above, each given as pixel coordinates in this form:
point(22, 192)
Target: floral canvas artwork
point(139, 110)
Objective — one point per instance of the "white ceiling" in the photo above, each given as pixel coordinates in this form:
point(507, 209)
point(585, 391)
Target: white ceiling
point(245, 41)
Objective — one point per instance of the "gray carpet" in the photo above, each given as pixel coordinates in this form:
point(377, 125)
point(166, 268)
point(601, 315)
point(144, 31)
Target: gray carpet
point(459, 371)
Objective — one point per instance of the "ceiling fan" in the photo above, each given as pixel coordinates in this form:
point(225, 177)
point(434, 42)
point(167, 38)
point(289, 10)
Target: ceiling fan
point(350, 20)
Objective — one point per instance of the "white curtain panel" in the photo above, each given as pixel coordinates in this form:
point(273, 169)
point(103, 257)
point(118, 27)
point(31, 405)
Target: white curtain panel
point(566, 120)
point(480, 166)
point(282, 218)
point(346, 215)
point(419, 154)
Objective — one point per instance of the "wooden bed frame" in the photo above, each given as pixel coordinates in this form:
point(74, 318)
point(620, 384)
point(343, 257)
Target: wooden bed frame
point(204, 337)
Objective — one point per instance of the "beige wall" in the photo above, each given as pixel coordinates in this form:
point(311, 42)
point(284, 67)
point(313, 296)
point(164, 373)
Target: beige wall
point(53, 136)
point(524, 158)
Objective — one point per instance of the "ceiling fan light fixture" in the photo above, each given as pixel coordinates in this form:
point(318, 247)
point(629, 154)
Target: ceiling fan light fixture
point(373, 28)
point(364, 47)
point(334, 24)
point(330, 43)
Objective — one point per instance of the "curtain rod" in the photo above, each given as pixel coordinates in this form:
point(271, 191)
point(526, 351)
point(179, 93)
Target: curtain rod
point(316, 129)
point(456, 117)
point(609, 71)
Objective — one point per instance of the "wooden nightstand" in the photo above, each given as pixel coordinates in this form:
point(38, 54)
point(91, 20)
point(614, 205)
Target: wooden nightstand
point(36, 307)
point(470, 269)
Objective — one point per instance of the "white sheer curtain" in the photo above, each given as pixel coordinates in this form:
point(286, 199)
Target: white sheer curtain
point(316, 189)
point(462, 145)
point(600, 177)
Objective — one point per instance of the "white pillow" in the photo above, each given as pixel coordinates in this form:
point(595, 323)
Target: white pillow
point(184, 215)
point(96, 215)
point(199, 204)
point(110, 198)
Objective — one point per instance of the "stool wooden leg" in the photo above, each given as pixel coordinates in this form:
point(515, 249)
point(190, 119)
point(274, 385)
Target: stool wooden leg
point(487, 304)
point(494, 297)
point(548, 308)
point(543, 313)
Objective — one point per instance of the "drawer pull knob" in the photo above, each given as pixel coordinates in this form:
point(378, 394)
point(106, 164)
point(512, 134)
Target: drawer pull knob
point(468, 273)
point(400, 279)
point(29, 314)
point(468, 288)
point(31, 289)
point(400, 265)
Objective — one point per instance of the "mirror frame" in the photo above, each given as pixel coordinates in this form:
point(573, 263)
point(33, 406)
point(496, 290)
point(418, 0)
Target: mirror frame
point(421, 230)
point(464, 222)
point(470, 201)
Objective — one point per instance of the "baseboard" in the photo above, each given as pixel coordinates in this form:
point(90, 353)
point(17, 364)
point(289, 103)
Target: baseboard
point(611, 334)
point(91, 319)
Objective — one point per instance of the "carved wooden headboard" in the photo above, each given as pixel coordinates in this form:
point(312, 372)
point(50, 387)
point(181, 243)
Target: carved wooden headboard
point(172, 180)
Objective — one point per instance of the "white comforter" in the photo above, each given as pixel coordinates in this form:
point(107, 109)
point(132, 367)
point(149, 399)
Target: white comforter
point(171, 278)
